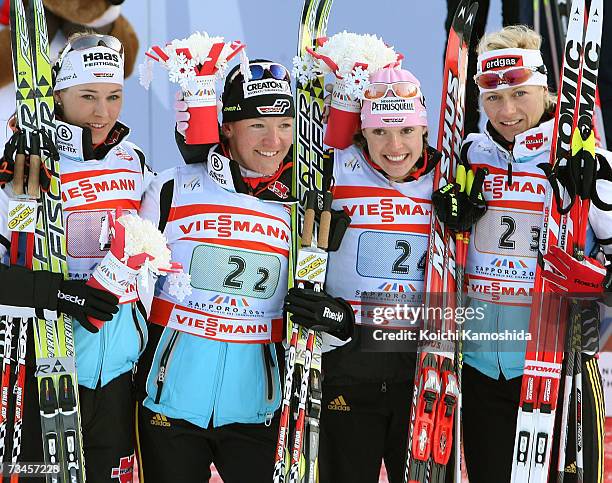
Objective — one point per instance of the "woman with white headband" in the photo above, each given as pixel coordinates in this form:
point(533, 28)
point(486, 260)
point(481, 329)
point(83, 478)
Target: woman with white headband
point(503, 248)
point(100, 172)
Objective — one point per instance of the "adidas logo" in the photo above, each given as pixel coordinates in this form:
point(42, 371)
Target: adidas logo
point(571, 468)
point(160, 420)
point(339, 404)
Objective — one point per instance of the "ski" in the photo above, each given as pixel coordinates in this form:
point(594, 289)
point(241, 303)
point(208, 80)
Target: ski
point(53, 339)
point(560, 10)
point(5, 353)
point(583, 141)
point(543, 361)
point(18, 391)
point(315, 390)
point(436, 397)
point(308, 152)
point(554, 37)
point(311, 269)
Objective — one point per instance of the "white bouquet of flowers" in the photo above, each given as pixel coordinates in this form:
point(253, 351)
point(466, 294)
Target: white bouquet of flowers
point(195, 63)
point(352, 58)
point(137, 249)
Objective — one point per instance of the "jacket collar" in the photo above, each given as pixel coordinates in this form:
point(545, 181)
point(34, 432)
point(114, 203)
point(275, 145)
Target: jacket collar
point(226, 173)
point(527, 144)
point(74, 142)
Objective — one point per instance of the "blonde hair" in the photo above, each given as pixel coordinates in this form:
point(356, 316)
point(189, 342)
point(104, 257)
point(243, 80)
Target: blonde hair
point(516, 37)
point(512, 37)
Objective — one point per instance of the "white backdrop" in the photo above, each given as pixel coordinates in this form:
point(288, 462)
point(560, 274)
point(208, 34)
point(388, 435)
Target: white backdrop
point(269, 28)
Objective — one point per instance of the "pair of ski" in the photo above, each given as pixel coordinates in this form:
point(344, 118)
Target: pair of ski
point(436, 405)
point(311, 268)
point(573, 133)
point(53, 339)
point(296, 456)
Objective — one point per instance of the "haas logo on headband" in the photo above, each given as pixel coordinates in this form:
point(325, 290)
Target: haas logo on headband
point(502, 62)
point(100, 59)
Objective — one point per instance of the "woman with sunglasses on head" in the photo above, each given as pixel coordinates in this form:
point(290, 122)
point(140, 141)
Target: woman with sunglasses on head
point(211, 368)
point(384, 181)
point(100, 172)
point(503, 251)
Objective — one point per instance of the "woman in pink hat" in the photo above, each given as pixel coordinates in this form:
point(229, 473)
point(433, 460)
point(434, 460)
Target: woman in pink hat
point(384, 183)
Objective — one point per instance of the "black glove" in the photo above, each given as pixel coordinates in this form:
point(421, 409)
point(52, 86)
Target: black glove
point(17, 144)
point(319, 311)
point(580, 172)
point(458, 207)
point(78, 300)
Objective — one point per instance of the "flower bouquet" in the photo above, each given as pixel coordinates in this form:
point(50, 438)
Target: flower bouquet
point(352, 58)
point(137, 248)
point(195, 63)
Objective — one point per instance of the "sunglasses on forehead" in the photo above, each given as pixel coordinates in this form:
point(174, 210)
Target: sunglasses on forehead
point(509, 77)
point(258, 71)
point(403, 89)
point(88, 41)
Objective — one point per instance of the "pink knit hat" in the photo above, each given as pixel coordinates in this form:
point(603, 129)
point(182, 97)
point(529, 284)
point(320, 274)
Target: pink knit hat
point(394, 99)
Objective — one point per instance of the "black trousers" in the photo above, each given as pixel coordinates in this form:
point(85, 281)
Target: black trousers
point(362, 424)
point(173, 450)
point(489, 425)
point(107, 419)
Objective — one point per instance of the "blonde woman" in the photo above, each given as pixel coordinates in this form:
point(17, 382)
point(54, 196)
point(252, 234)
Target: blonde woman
point(512, 81)
point(100, 171)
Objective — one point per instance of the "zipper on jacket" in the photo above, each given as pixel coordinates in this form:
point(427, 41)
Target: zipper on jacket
point(102, 350)
point(218, 380)
point(138, 305)
point(163, 364)
point(269, 364)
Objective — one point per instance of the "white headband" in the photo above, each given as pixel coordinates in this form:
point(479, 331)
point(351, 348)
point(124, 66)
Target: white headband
point(97, 64)
point(505, 59)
